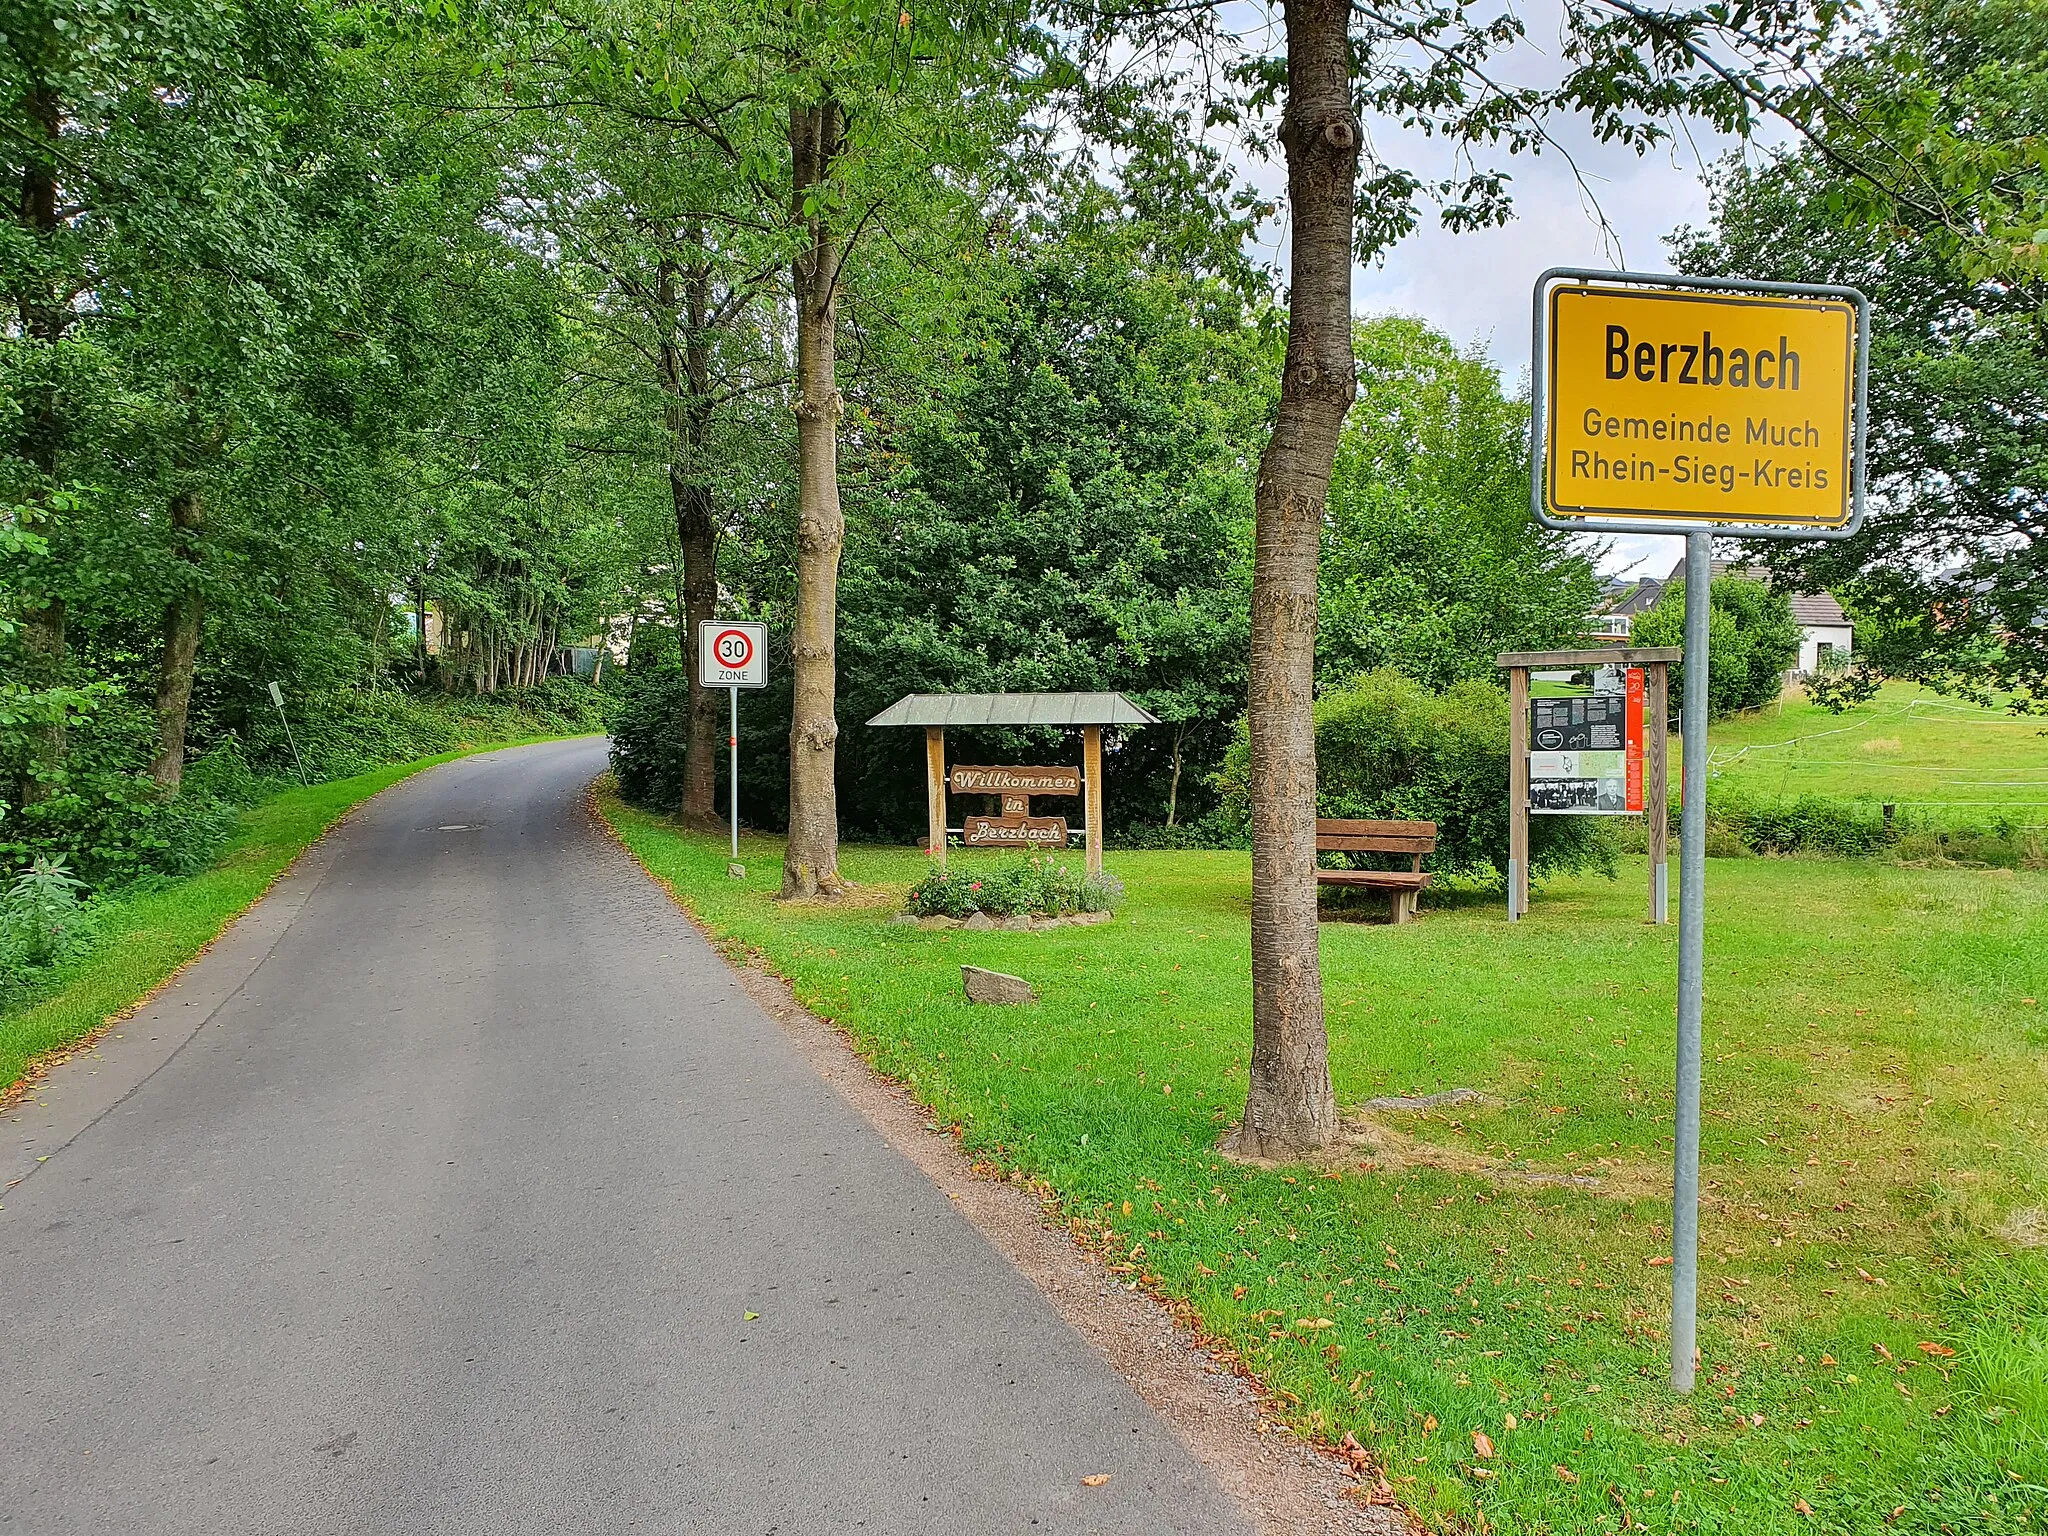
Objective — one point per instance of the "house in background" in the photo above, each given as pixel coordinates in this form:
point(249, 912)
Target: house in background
point(1824, 630)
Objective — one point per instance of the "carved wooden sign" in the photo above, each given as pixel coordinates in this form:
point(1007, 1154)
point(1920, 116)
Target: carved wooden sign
point(1015, 781)
point(1014, 831)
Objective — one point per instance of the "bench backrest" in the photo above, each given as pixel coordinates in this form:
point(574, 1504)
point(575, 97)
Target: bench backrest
point(1413, 837)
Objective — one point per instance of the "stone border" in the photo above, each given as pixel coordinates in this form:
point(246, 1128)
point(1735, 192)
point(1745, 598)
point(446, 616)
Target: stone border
point(981, 922)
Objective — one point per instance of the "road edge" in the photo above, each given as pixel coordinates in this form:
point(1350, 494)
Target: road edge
point(1210, 1400)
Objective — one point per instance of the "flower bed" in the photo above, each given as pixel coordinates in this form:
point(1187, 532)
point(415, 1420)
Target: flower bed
point(1040, 888)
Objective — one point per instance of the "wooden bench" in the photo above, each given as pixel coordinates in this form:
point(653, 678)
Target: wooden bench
point(1413, 838)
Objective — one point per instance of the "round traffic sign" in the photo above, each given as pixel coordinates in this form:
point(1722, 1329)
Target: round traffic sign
point(734, 648)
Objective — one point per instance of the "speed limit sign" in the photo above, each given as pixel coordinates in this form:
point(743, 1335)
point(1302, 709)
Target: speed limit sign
point(731, 654)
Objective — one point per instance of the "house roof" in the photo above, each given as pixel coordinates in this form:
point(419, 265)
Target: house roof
point(1814, 609)
point(1063, 710)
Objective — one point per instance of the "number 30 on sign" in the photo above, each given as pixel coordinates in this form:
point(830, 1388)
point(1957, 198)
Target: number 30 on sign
point(732, 654)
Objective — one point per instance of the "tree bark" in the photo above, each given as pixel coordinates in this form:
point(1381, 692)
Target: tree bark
point(686, 375)
point(179, 660)
point(810, 860)
point(1291, 1110)
point(44, 318)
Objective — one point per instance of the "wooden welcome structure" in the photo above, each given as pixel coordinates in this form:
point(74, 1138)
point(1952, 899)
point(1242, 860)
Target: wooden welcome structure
point(1655, 661)
point(1016, 827)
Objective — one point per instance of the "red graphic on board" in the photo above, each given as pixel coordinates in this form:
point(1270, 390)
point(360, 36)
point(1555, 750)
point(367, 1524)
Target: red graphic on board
point(734, 648)
point(1633, 719)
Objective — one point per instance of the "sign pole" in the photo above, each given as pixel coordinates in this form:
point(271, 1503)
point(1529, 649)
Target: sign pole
point(1692, 944)
point(733, 741)
point(1518, 793)
point(277, 698)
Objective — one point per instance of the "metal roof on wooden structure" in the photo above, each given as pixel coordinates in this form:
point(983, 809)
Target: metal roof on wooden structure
point(1059, 710)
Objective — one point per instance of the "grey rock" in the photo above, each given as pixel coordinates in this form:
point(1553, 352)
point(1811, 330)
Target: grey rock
point(904, 920)
point(942, 921)
point(995, 987)
point(1018, 924)
point(981, 922)
point(1089, 919)
point(1429, 1100)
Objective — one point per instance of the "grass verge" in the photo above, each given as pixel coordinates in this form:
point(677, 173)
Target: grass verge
point(1475, 1292)
point(147, 935)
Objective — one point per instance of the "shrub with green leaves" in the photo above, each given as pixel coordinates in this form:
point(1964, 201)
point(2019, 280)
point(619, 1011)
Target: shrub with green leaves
point(1044, 885)
point(43, 914)
point(1389, 749)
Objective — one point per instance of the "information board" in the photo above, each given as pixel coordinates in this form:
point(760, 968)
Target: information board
point(1586, 756)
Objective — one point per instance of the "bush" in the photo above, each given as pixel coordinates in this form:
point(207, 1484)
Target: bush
point(650, 732)
point(43, 914)
point(1752, 641)
point(1389, 749)
point(1041, 886)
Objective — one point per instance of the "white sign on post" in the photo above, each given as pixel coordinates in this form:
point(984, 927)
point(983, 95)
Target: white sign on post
point(732, 654)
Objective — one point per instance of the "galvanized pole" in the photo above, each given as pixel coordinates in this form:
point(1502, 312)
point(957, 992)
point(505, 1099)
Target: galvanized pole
point(733, 741)
point(1692, 943)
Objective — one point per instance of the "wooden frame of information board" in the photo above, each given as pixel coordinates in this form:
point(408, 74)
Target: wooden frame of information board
point(1655, 662)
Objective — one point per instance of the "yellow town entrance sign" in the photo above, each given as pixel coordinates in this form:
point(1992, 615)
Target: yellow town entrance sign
point(1683, 408)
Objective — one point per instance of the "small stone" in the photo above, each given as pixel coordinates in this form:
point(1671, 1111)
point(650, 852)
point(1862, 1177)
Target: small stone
point(904, 920)
point(736, 871)
point(1018, 924)
point(1040, 924)
point(1089, 919)
point(995, 987)
point(929, 924)
point(981, 922)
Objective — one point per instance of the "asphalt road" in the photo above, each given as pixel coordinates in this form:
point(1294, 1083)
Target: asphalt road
point(436, 1199)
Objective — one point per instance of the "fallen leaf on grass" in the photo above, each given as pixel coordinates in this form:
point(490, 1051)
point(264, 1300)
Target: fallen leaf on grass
point(1803, 1508)
point(1354, 1452)
point(1565, 1474)
point(1939, 1351)
point(1094, 1479)
point(1481, 1446)
point(1429, 1424)
point(1665, 1259)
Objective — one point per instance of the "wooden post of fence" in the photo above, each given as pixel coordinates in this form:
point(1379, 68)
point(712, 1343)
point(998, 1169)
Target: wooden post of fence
point(1518, 792)
point(1091, 789)
point(1658, 792)
point(935, 790)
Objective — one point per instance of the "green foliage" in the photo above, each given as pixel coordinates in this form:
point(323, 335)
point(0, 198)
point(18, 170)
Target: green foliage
point(42, 915)
point(1930, 194)
point(1389, 748)
point(1838, 685)
point(1752, 641)
point(1044, 885)
point(649, 727)
point(1430, 563)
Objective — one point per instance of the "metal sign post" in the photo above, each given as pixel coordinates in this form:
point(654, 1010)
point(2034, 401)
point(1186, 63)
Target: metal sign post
point(1669, 404)
point(277, 698)
point(732, 654)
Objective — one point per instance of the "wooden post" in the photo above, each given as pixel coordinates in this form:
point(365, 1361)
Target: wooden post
point(1518, 792)
point(935, 790)
point(1091, 789)
point(1658, 791)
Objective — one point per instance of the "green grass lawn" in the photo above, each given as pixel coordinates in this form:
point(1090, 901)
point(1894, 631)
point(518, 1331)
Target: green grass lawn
point(1874, 1309)
point(147, 936)
point(1908, 746)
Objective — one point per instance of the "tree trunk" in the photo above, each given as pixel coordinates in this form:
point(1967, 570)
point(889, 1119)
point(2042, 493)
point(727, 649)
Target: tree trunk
point(810, 861)
point(1291, 1110)
point(180, 658)
point(686, 373)
point(44, 318)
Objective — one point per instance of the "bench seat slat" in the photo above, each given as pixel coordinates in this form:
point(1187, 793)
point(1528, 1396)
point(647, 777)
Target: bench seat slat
point(1328, 842)
point(1382, 879)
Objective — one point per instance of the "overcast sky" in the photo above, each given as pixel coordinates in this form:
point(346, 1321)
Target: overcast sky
point(1476, 287)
